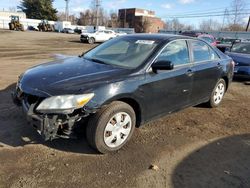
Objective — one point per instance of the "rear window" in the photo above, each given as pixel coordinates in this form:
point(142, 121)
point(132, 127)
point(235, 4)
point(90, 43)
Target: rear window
point(202, 52)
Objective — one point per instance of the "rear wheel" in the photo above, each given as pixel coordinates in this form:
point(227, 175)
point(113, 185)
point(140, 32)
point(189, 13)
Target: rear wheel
point(217, 94)
point(112, 127)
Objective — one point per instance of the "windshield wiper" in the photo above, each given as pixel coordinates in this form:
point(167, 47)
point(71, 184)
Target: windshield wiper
point(81, 55)
point(98, 61)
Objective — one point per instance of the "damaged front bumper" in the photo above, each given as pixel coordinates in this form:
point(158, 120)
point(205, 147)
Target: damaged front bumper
point(49, 126)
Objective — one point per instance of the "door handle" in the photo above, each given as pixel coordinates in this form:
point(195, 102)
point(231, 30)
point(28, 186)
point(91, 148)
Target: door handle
point(219, 65)
point(190, 72)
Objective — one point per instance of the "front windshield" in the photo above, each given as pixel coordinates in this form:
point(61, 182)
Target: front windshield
point(127, 52)
point(241, 48)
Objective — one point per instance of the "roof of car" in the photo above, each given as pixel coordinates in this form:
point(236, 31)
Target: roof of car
point(206, 35)
point(157, 36)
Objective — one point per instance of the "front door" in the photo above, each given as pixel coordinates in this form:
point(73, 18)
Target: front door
point(169, 90)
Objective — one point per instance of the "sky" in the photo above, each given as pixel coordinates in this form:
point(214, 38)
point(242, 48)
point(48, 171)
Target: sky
point(163, 8)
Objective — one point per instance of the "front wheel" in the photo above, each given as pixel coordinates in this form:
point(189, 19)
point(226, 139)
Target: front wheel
point(112, 127)
point(91, 40)
point(217, 94)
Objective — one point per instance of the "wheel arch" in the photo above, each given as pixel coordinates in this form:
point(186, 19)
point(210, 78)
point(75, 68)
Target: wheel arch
point(226, 80)
point(133, 102)
point(136, 107)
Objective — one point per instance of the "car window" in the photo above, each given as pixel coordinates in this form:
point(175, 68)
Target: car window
point(176, 52)
point(120, 47)
point(213, 54)
point(200, 51)
point(127, 52)
point(241, 48)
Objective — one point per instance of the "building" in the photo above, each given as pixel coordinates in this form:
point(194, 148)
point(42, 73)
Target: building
point(143, 21)
point(7, 14)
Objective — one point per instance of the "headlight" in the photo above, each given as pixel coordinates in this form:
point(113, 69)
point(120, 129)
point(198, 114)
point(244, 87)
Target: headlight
point(64, 103)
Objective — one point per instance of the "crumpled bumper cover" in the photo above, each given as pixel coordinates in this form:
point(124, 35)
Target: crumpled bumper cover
point(49, 126)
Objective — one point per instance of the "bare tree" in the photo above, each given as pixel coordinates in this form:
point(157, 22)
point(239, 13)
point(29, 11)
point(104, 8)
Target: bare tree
point(209, 25)
point(113, 20)
point(235, 18)
point(71, 18)
point(176, 25)
point(86, 18)
point(89, 16)
point(238, 7)
point(12, 9)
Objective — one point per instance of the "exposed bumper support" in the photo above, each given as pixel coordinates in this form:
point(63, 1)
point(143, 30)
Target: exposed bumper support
point(49, 126)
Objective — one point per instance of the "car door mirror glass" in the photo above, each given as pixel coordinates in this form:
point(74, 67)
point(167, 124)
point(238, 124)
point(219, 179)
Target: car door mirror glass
point(162, 65)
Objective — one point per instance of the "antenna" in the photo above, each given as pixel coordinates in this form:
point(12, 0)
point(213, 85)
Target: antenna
point(67, 10)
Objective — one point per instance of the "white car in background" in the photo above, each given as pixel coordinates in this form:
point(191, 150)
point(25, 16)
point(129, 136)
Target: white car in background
point(120, 33)
point(98, 36)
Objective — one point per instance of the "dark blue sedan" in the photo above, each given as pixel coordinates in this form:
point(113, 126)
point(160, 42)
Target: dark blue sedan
point(240, 53)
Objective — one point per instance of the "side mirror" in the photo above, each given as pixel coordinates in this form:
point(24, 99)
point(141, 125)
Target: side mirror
point(162, 65)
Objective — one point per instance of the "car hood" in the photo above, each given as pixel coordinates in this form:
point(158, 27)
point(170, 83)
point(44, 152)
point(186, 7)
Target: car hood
point(67, 76)
point(240, 59)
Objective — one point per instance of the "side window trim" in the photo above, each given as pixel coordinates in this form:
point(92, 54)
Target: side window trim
point(171, 43)
point(163, 48)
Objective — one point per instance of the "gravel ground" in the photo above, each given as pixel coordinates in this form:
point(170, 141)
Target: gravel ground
point(197, 147)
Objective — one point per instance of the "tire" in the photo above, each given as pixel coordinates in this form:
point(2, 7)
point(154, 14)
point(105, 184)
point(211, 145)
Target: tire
point(11, 26)
point(21, 27)
point(104, 133)
point(91, 40)
point(217, 94)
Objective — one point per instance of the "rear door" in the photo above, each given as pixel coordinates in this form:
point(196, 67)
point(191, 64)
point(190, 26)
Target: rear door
point(206, 68)
point(100, 36)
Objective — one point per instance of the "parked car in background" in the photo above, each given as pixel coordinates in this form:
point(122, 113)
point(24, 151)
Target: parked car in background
point(190, 33)
point(224, 44)
point(78, 31)
point(98, 36)
point(32, 28)
point(120, 33)
point(122, 84)
point(68, 30)
point(209, 38)
point(240, 53)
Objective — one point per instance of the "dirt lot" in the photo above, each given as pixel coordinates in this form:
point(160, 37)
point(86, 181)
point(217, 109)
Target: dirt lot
point(197, 147)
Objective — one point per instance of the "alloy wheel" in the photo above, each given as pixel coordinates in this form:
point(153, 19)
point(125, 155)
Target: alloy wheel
point(117, 129)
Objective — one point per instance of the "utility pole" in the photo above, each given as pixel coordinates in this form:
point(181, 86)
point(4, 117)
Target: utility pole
point(67, 10)
point(248, 24)
point(97, 5)
point(226, 13)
